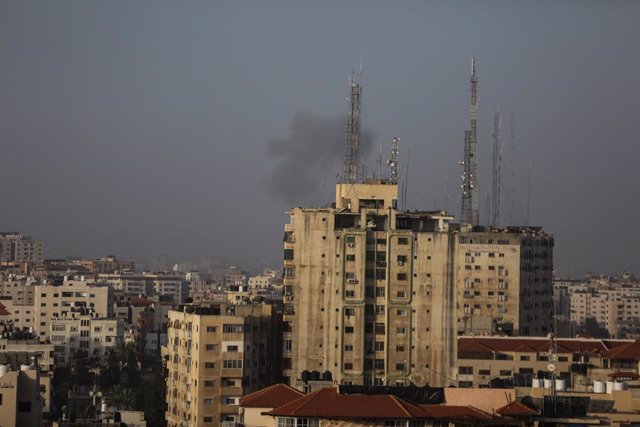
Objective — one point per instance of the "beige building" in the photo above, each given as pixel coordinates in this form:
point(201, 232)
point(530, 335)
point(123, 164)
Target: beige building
point(375, 295)
point(52, 302)
point(146, 284)
point(20, 396)
point(21, 350)
point(216, 354)
point(83, 329)
point(14, 247)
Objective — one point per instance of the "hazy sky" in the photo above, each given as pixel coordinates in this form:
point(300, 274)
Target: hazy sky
point(158, 127)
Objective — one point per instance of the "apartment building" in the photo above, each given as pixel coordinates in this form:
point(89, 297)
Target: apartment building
point(495, 362)
point(52, 302)
point(216, 354)
point(107, 265)
point(146, 284)
point(20, 394)
point(18, 349)
point(18, 288)
point(14, 247)
point(84, 329)
point(378, 296)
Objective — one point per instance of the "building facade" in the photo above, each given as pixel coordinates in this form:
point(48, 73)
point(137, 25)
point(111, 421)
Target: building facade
point(216, 354)
point(374, 295)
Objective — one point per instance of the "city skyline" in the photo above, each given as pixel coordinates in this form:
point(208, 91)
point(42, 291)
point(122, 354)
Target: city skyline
point(142, 131)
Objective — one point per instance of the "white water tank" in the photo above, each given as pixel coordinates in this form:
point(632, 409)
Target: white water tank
point(598, 387)
point(619, 385)
point(4, 369)
point(561, 385)
point(610, 387)
point(547, 383)
point(536, 383)
point(25, 367)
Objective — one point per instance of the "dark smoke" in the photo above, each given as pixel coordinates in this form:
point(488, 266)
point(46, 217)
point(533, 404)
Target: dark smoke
point(310, 159)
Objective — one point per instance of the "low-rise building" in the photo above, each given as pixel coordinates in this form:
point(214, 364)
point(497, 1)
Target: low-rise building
point(20, 393)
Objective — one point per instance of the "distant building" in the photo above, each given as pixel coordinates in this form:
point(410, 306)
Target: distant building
point(215, 354)
point(108, 265)
point(84, 330)
point(14, 247)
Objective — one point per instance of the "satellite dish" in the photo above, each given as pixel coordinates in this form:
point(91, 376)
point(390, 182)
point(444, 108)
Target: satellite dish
point(551, 367)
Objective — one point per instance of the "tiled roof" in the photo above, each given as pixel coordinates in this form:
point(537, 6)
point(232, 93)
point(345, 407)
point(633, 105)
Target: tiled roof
point(455, 412)
point(624, 375)
point(271, 397)
point(3, 310)
point(628, 351)
point(535, 344)
point(329, 404)
point(515, 409)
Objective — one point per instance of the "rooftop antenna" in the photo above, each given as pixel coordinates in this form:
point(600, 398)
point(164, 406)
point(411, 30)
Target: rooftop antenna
point(528, 198)
point(393, 161)
point(487, 206)
point(406, 180)
point(512, 169)
point(469, 210)
point(379, 163)
point(446, 194)
point(352, 130)
point(497, 160)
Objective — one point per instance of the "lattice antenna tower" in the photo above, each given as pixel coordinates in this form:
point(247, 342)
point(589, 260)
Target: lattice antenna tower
point(512, 169)
point(352, 129)
point(497, 161)
point(469, 209)
point(393, 161)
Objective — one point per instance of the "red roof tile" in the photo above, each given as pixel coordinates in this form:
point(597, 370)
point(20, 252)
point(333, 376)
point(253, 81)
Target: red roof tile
point(515, 409)
point(536, 344)
point(271, 397)
point(3, 310)
point(453, 411)
point(328, 403)
point(629, 351)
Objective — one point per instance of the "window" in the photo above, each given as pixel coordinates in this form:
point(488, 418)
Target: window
point(403, 241)
point(465, 370)
point(505, 373)
point(232, 364)
point(401, 330)
point(379, 345)
point(484, 372)
point(209, 365)
point(208, 419)
point(348, 366)
point(348, 347)
point(401, 294)
point(211, 347)
point(378, 364)
point(402, 276)
point(208, 401)
point(351, 257)
point(232, 348)
point(525, 357)
point(288, 254)
point(380, 328)
point(401, 311)
point(286, 345)
point(348, 329)
point(400, 366)
point(233, 329)
point(349, 312)
point(379, 310)
point(380, 292)
point(400, 348)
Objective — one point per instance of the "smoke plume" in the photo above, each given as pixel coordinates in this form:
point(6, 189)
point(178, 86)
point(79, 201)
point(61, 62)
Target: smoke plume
point(310, 159)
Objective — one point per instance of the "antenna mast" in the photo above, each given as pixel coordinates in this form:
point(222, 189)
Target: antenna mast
point(497, 159)
point(393, 161)
point(352, 130)
point(469, 210)
point(512, 169)
point(529, 197)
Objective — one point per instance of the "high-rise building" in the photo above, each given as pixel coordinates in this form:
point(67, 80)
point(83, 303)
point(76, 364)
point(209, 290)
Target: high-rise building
point(14, 247)
point(376, 295)
point(216, 354)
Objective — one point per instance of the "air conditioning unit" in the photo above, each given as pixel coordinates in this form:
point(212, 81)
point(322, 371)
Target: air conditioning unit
point(352, 281)
point(351, 245)
point(400, 262)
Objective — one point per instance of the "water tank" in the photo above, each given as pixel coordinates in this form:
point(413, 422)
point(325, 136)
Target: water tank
point(25, 367)
point(315, 376)
point(598, 386)
point(609, 387)
point(306, 376)
point(547, 383)
point(619, 385)
point(326, 376)
point(103, 406)
point(4, 369)
point(536, 383)
point(561, 385)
